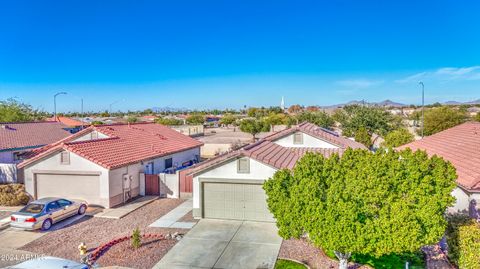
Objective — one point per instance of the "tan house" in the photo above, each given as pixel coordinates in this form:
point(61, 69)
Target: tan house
point(103, 164)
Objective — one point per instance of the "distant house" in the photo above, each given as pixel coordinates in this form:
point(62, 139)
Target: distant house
point(230, 185)
point(18, 138)
point(461, 146)
point(103, 164)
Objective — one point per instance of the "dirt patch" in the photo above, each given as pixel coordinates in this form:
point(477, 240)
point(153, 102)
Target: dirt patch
point(96, 231)
point(303, 251)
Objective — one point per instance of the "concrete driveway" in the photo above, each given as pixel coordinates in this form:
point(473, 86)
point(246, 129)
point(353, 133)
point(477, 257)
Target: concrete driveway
point(225, 244)
point(13, 238)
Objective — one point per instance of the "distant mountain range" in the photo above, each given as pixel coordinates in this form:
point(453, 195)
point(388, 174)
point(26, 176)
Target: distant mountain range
point(452, 103)
point(385, 103)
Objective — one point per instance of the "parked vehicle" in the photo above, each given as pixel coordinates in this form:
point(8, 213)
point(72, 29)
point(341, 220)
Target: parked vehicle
point(43, 213)
point(49, 263)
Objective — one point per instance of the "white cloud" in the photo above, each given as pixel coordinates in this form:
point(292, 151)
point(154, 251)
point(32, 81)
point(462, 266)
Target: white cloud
point(359, 83)
point(445, 74)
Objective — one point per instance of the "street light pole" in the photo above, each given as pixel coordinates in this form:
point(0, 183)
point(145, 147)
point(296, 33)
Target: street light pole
point(55, 104)
point(423, 105)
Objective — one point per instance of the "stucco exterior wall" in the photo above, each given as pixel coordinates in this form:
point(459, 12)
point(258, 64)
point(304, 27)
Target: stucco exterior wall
point(89, 136)
point(462, 202)
point(77, 164)
point(116, 182)
point(177, 159)
point(258, 171)
point(308, 142)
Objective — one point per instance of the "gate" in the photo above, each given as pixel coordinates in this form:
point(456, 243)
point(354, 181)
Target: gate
point(152, 185)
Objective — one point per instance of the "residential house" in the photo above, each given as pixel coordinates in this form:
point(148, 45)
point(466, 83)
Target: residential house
point(104, 164)
point(230, 186)
point(461, 146)
point(17, 138)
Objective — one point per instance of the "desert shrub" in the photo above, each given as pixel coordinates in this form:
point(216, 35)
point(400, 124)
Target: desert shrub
point(13, 195)
point(463, 239)
point(136, 238)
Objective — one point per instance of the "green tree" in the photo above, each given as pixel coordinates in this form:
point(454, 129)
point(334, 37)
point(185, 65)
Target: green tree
point(253, 127)
point(132, 119)
point(228, 119)
point(97, 122)
point(374, 119)
point(275, 119)
point(169, 121)
point(397, 138)
point(13, 111)
point(255, 112)
point(441, 118)
point(319, 118)
point(477, 117)
point(362, 136)
point(363, 202)
point(196, 119)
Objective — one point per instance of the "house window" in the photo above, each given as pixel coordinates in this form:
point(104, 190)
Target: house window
point(243, 166)
point(65, 157)
point(168, 163)
point(298, 138)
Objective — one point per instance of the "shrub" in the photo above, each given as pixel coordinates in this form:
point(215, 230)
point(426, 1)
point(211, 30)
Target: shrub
point(13, 195)
point(463, 238)
point(397, 138)
point(136, 238)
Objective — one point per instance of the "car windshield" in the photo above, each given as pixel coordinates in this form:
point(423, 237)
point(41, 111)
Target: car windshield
point(32, 208)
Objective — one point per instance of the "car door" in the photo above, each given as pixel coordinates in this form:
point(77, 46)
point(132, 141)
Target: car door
point(54, 211)
point(68, 208)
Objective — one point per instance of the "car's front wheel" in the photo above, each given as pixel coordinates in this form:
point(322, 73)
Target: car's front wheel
point(47, 224)
point(82, 209)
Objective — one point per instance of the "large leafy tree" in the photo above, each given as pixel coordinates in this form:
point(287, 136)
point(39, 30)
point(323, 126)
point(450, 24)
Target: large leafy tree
point(228, 119)
point(374, 119)
point(169, 121)
point(253, 127)
point(13, 111)
point(363, 202)
point(275, 119)
point(196, 118)
point(441, 118)
point(319, 118)
point(397, 138)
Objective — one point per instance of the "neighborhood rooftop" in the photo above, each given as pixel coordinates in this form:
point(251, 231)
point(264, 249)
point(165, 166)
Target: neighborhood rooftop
point(268, 152)
point(461, 146)
point(31, 134)
point(125, 144)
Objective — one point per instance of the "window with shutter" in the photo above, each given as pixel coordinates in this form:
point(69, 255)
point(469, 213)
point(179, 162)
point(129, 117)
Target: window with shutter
point(65, 157)
point(298, 138)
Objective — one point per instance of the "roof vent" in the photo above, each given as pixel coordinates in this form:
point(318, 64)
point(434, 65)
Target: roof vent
point(6, 127)
point(328, 131)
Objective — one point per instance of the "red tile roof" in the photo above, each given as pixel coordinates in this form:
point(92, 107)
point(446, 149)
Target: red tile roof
point(68, 121)
point(461, 146)
point(320, 133)
point(268, 152)
point(30, 134)
point(126, 144)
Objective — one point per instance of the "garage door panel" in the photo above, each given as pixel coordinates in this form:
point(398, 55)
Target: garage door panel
point(85, 187)
point(235, 201)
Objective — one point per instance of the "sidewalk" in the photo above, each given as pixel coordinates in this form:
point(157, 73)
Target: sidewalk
point(123, 210)
point(170, 220)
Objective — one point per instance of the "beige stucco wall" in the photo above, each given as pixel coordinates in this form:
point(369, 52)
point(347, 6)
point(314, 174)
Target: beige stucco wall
point(116, 182)
point(77, 164)
point(308, 142)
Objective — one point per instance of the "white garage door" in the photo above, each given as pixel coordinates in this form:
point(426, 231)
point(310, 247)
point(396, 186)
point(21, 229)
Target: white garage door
point(85, 187)
point(235, 201)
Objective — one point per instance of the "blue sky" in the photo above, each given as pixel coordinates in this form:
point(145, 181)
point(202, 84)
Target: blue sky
point(218, 54)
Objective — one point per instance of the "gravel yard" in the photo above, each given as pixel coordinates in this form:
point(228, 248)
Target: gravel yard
point(303, 251)
point(95, 231)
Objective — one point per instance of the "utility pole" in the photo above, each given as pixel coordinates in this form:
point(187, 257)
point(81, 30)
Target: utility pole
point(423, 105)
point(55, 104)
point(81, 113)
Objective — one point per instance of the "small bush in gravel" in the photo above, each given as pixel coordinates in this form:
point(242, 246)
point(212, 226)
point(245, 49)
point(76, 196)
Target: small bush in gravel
point(13, 195)
point(136, 238)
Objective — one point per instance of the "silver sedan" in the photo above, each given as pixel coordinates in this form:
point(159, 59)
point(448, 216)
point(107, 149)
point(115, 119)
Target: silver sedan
point(43, 213)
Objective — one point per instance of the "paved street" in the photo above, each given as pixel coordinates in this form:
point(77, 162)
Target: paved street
point(225, 244)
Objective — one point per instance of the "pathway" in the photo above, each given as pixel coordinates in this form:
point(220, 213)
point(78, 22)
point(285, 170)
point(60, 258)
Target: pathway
point(123, 210)
point(171, 219)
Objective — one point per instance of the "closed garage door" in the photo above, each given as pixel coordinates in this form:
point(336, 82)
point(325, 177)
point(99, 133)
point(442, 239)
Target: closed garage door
point(85, 187)
point(235, 201)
